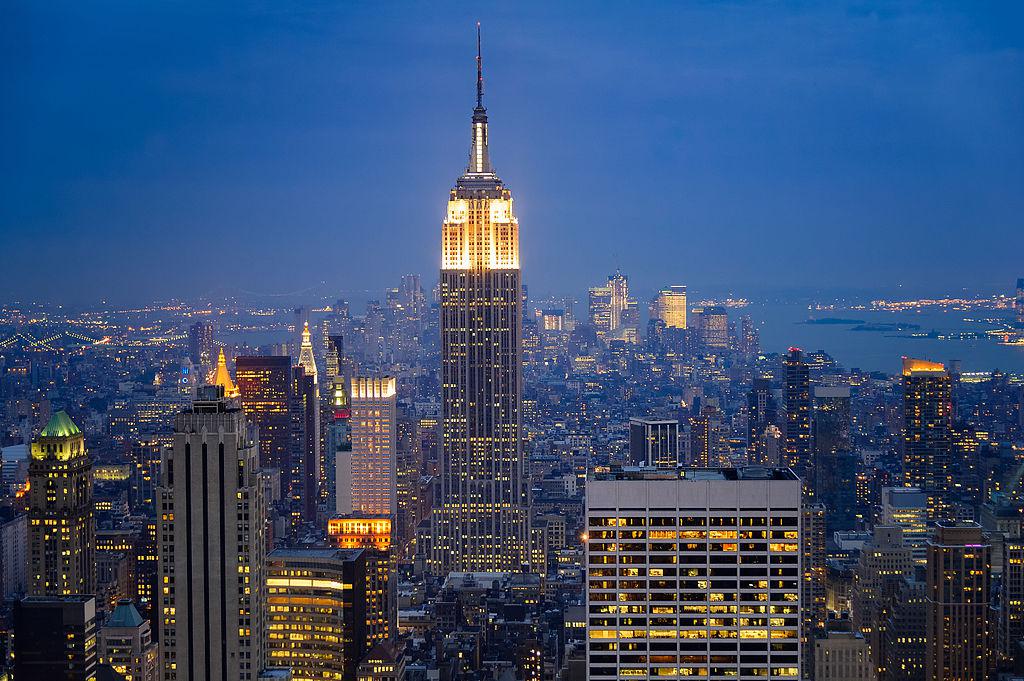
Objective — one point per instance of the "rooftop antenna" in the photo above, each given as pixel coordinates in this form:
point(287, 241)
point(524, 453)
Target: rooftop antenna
point(479, 70)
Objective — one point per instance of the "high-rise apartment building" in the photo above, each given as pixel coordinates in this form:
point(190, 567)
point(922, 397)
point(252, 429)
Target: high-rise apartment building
point(654, 442)
point(265, 384)
point(960, 630)
point(212, 546)
point(316, 600)
point(55, 638)
point(797, 448)
point(927, 440)
point(693, 572)
point(669, 306)
point(366, 475)
point(481, 522)
point(61, 525)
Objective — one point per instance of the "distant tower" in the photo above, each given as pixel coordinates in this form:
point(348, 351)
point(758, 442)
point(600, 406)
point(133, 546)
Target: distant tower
point(927, 438)
point(1019, 302)
point(761, 413)
point(797, 448)
point(265, 384)
point(212, 546)
point(670, 307)
point(306, 359)
point(200, 345)
point(222, 376)
point(654, 442)
point(61, 526)
point(481, 521)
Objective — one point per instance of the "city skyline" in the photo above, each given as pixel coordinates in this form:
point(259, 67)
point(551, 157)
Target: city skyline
point(875, 143)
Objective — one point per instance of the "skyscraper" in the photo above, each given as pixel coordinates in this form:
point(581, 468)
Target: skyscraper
point(960, 641)
point(927, 440)
point(212, 546)
point(55, 638)
point(1019, 302)
point(200, 346)
point(481, 521)
point(713, 327)
point(317, 611)
point(338, 440)
point(797, 449)
point(670, 307)
point(265, 384)
point(693, 572)
point(654, 442)
point(366, 477)
point(761, 413)
point(305, 459)
point(61, 526)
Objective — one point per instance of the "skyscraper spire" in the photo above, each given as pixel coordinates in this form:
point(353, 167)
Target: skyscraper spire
point(479, 71)
point(479, 158)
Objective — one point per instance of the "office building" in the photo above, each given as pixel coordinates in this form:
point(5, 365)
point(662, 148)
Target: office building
point(907, 508)
point(265, 385)
point(833, 464)
point(654, 442)
point(305, 460)
point(905, 635)
point(762, 412)
point(693, 572)
point(959, 624)
point(843, 656)
point(669, 306)
point(366, 474)
point(375, 535)
point(125, 644)
point(55, 638)
point(316, 604)
point(813, 576)
point(713, 329)
point(1011, 601)
point(61, 526)
point(338, 441)
point(212, 545)
point(200, 346)
point(927, 441)
point(481, 521)
point(883, 564)
point(797, 431)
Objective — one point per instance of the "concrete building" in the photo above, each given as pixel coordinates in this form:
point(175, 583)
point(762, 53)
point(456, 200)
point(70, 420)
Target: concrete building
point(697, 568)
point(212, 545)
point(843, 656)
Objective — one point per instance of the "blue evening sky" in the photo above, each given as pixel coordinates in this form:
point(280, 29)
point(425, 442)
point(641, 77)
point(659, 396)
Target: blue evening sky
point(176, 148)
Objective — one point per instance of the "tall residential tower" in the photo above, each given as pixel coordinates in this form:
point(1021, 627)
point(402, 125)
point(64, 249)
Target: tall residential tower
point(481, 520)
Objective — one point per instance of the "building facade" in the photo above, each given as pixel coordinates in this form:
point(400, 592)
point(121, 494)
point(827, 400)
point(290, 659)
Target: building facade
point(481, 521)
point(693, 572)
point(61, 524)
point(212, 546)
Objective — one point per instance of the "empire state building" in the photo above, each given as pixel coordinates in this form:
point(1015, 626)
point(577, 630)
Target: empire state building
point(481, 521)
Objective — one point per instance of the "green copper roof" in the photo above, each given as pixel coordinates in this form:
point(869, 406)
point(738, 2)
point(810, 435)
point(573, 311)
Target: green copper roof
point(60, 425)
point(124, 615)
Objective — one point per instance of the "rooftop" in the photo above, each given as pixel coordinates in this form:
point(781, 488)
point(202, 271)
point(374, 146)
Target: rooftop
point(681, 473)
point(60, 425)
